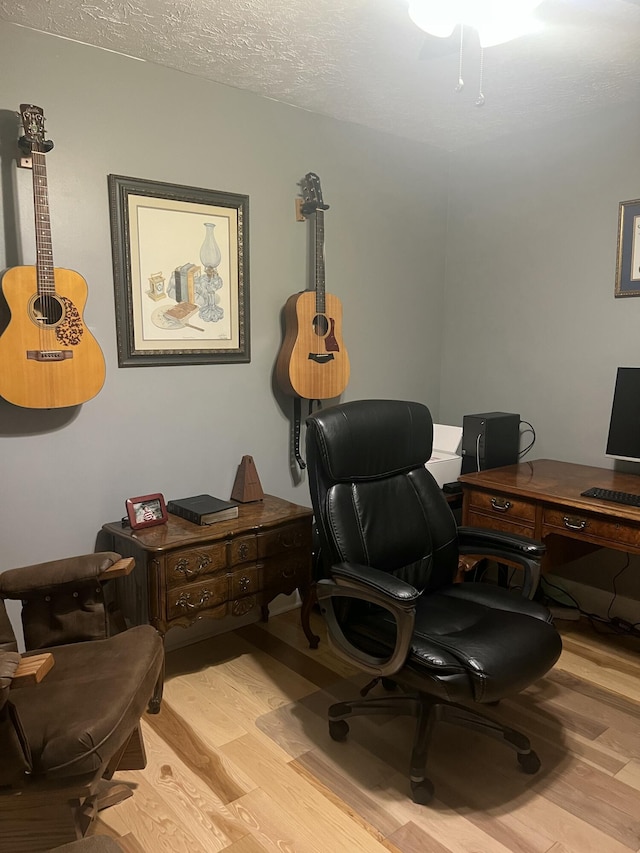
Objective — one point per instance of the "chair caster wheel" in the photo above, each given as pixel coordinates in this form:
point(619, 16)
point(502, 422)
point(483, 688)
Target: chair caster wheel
point(338, 729)
point(529, 762)
point(422, 792)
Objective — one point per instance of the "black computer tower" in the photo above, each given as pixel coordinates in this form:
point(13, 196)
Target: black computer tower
point(490, 440)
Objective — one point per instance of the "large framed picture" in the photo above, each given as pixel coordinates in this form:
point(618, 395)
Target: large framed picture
point(628, 260)
point(181, 273)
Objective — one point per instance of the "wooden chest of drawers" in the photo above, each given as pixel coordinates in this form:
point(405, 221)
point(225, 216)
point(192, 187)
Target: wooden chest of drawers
point(186, 572)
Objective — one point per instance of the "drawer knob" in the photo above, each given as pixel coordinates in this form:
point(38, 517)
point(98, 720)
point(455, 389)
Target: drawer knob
point(185, 602)
point(244, 583)
point(572, 523)
point(243, 551)
point(500, 504)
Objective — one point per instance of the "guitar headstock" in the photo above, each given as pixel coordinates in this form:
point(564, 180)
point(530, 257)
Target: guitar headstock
point(32, 118)
point(312, 194)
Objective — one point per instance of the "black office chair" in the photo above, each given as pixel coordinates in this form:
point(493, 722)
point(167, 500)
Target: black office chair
point(390, 550)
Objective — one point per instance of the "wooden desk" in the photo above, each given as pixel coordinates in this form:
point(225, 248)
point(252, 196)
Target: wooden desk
point(185, 572)
point(542, 499)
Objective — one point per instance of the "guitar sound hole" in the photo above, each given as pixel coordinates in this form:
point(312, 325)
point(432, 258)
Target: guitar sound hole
point(47, 310)
point(320, 325)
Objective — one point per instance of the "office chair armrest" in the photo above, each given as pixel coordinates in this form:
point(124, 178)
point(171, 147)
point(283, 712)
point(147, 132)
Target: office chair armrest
point(531, 548)
point(377, 580)
point(381, 589)
point(510, 548)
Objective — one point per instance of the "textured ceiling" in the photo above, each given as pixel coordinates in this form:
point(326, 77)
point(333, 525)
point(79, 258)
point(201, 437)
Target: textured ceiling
point(364, 61)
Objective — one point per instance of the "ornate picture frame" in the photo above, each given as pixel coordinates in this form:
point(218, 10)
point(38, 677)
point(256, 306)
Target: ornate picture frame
point(181, 273)
point(628, 256)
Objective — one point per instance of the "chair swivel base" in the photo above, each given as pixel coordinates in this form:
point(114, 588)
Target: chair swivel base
point(428, 710)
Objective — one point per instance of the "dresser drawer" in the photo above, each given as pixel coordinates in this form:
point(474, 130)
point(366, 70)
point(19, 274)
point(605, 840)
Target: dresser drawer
point(287, 538)
point(498, 522)
point(589, 527)
point(504, 506)
point(189, 565)
point(243, 550)
point(246, 580)
point(288, 570)
point(189, 600)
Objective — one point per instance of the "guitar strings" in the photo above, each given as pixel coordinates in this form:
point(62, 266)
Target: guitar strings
point(44, 255)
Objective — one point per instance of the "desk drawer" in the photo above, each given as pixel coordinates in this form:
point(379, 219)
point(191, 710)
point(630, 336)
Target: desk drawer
point(503, 506)
point(498, 522)
point(583, 525)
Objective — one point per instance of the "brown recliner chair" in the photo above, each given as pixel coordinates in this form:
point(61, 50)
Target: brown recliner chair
point(63, 737)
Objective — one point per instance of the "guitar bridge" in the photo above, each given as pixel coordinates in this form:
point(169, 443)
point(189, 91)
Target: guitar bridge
point(49, 354)
point(321, 357)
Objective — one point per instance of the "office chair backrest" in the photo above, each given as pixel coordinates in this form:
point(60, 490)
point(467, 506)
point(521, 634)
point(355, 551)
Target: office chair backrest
point(375, 503)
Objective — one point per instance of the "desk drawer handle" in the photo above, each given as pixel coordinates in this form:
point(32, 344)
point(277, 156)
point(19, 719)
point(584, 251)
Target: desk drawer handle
point(500, 504)
point(574, 523)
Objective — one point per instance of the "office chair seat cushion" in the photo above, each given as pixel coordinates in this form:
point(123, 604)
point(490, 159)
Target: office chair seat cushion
point(470, 642)
point(99, 690)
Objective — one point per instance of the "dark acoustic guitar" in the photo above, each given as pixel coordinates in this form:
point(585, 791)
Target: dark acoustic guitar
point(313, 361)
point(49, 358)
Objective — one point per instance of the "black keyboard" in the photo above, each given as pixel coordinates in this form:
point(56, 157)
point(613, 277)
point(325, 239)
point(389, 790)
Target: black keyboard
point(626, 498)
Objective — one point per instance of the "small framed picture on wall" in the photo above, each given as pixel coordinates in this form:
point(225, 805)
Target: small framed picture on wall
point(628, 259)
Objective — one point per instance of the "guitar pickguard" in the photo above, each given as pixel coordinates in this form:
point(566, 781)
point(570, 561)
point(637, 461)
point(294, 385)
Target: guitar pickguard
point(330, 342)
point(69, 332)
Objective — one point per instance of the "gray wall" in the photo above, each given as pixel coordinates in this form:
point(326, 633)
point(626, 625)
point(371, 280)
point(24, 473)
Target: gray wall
point(531, 323)
point(183, 430)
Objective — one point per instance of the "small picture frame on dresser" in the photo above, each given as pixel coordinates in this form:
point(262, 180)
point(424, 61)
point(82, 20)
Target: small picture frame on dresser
point(146, 511)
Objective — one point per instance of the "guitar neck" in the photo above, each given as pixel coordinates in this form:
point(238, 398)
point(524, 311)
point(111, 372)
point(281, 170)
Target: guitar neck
point(319, 277)
point(44, 250)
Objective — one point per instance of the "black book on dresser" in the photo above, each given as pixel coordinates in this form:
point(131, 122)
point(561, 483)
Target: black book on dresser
point(203, 509)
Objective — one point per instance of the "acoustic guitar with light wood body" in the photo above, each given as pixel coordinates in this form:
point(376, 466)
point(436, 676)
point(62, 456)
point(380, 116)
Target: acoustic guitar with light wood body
point(49, 358)
point(313, 361)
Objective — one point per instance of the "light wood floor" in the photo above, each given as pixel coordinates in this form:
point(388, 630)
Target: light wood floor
point(227, 772)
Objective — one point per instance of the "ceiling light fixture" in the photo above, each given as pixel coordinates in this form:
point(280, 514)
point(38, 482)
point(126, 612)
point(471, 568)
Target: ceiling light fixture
point(496, 22)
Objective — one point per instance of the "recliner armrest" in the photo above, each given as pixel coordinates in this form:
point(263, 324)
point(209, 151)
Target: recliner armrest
point(63, 601)
point(350, 580)
point(21, 583)
point(15, 758)
point(507, 547)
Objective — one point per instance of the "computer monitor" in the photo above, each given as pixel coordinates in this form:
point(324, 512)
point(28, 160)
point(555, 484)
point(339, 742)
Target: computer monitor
point(624, 428)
